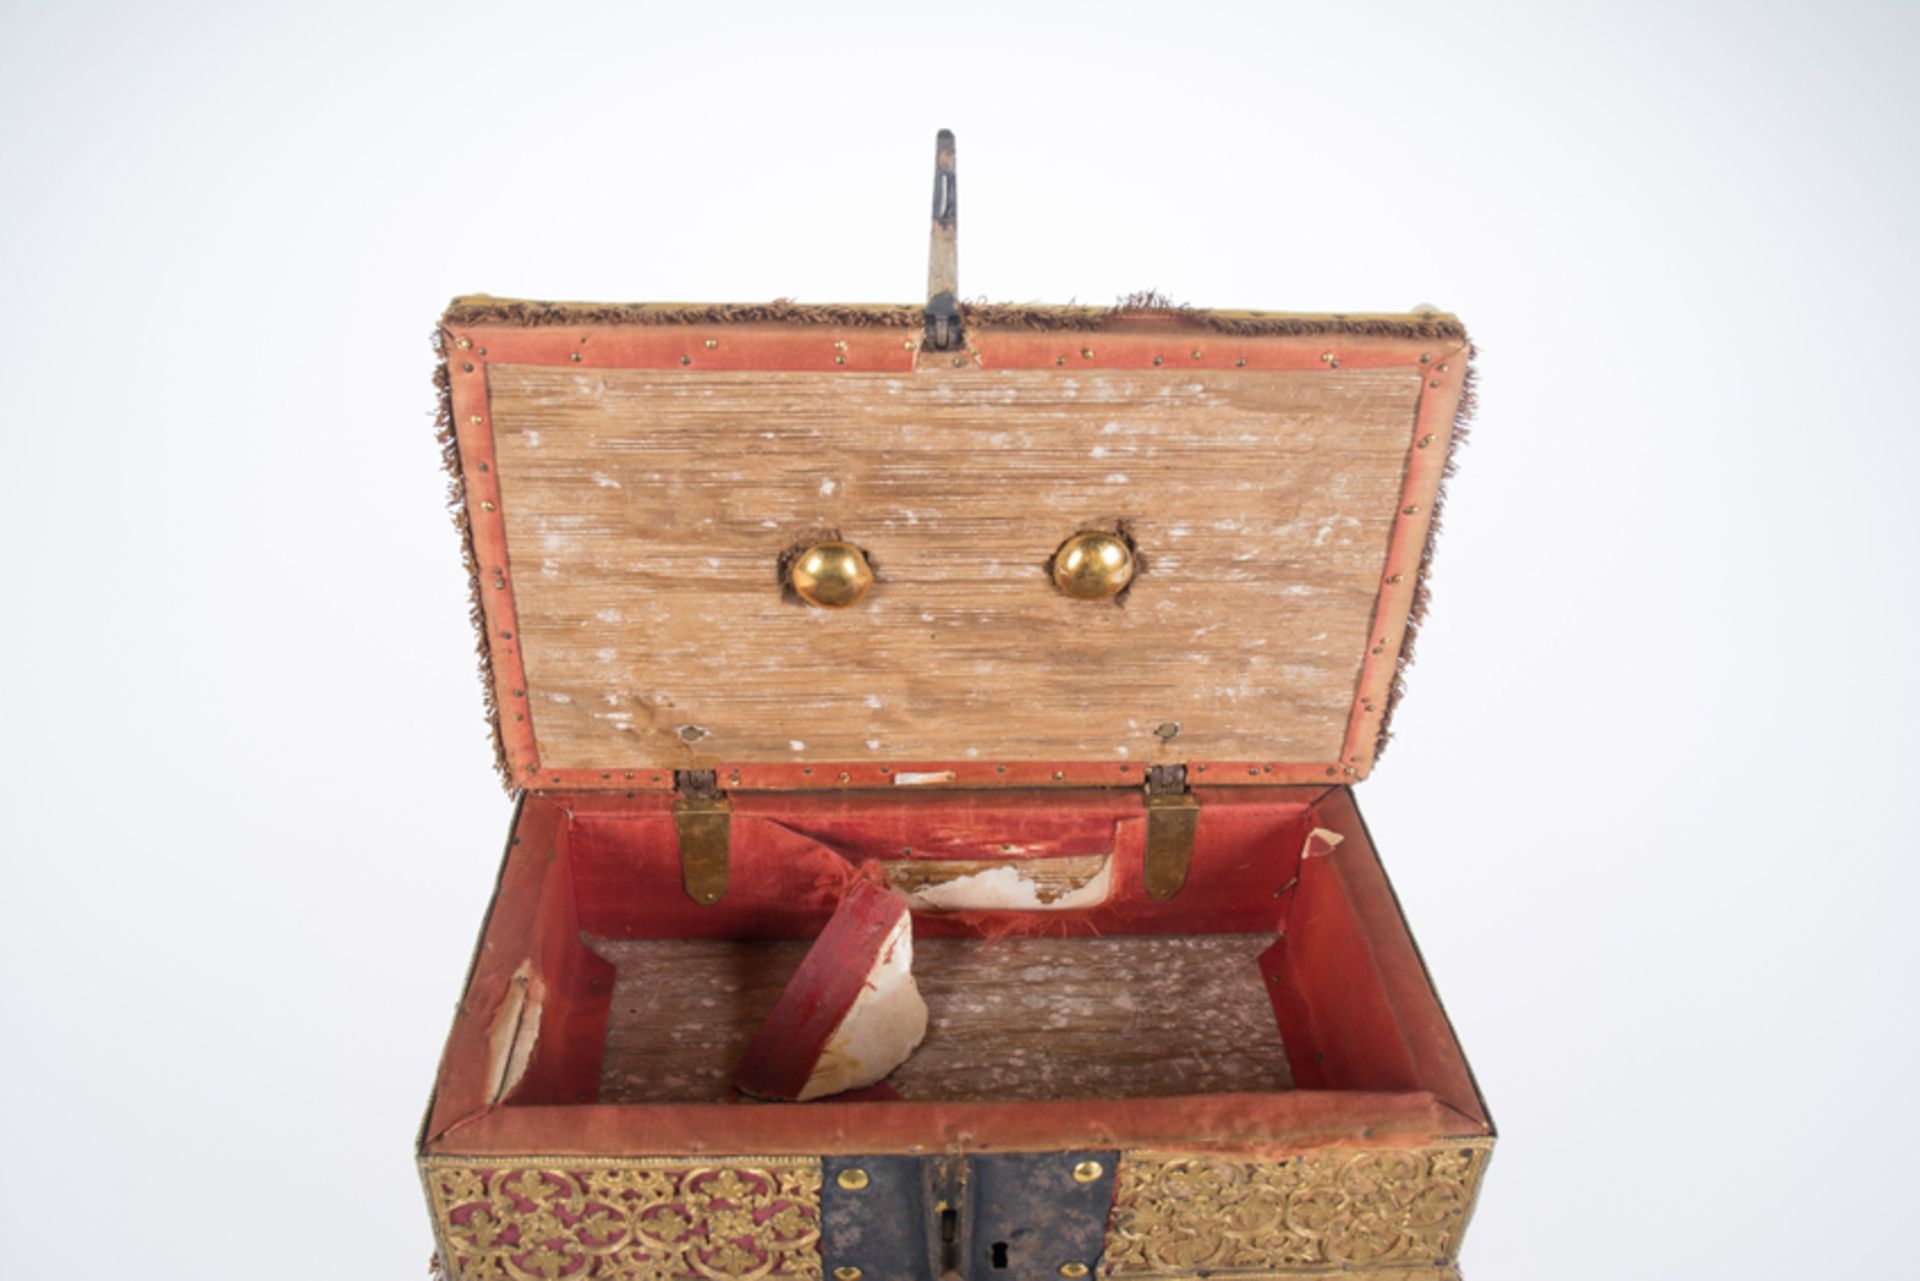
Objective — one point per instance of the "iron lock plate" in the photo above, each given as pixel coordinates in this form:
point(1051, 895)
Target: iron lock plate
point(997, 1217)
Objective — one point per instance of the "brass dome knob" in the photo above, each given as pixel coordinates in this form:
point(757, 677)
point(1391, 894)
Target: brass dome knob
point(831, 575)
point(1093, 565)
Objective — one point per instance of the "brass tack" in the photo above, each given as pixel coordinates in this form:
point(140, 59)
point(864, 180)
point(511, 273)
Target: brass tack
point(1196, 353)
point(843, 778)
point(474, 419)
point(1330, 771)
point(853, 1178)
point(465, 343)
point(483, 467)
point(846, 1272)
point(840, 346)
point(1059, 774)
point(1394, 578)
point(467, 366)
point(1410, 510)
point(1441, 368)
point(1088, 1171)
point(1059, 360)
point(909, 345)
point(574, 356)
point(1333, 364)
point(999, 769)
point(1326, 356)
point(1158, 361)
point(959, 362)
point(486, 506)
point(1086, 353)
point(1073, 1269)
point(1242, 362)
point(1434, 383)
point(1425, 358)
point(839, 360)
point(686, 360)
point(629, 774)
point(1347, 770)
point(1426, 440)
point(712, 343)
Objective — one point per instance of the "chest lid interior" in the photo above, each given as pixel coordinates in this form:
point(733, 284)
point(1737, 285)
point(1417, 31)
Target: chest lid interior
point(637, 481)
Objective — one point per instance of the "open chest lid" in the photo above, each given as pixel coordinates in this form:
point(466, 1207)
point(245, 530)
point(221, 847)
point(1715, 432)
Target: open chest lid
point(635, 483)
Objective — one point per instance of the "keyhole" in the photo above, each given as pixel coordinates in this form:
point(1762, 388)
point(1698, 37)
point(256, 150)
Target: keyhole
point(999, 1254)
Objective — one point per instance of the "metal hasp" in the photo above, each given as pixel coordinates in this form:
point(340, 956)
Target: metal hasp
point(943, 252)
point(1173, 815)
point(703, 820)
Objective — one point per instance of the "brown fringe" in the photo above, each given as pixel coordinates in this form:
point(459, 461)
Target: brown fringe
point(457, 507)
point(1140, 306)
point(1462, 420)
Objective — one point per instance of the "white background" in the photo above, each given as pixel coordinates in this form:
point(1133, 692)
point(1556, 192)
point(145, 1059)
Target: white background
point(1647, 802)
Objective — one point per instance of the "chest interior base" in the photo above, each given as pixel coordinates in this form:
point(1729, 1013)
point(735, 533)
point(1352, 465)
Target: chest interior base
point(1278, 987)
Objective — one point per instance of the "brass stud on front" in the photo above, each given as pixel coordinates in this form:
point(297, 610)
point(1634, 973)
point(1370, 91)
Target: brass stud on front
point(1086, 353)
point(853, 1178)
point(712, 343)
point(465, 343)
point(574, 356)
point(1073, 1270)
point(1093, 565)
point(832, 575)
point(1159, 360)
point(846, 1272)
point(686, 360)
point(1088, 1171)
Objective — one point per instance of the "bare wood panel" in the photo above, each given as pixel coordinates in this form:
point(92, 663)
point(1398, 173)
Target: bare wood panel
point(646, 512)
point(1031, 1018)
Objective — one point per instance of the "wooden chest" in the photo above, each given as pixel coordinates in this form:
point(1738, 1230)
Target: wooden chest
point(1178, 1027)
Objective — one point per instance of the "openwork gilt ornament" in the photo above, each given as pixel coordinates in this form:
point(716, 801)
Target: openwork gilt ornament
point(627, 1220)
point(1343, 1208)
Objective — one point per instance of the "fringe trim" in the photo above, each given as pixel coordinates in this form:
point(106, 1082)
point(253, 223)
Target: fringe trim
point(457, 509)
point(1135, 307)
point(1422, 595)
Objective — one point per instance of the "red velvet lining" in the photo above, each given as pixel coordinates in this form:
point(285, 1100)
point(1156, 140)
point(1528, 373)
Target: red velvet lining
point(1368, 1043)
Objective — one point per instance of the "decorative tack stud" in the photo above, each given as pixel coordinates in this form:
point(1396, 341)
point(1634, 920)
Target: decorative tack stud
point(832, 575)
point(1088, 1171)
point(847, 1272)
point(1093, 565)
point(853, 1179)
point(1072, 1270)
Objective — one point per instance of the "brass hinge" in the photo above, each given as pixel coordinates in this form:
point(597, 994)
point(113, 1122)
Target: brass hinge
point(1173, 814)
point(703, 820)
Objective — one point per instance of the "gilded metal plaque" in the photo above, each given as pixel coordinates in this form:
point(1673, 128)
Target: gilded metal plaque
point(669, 1219)
point(1399, 1210)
